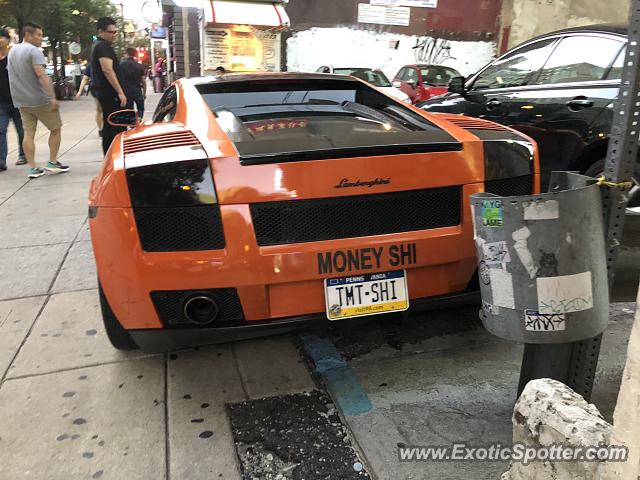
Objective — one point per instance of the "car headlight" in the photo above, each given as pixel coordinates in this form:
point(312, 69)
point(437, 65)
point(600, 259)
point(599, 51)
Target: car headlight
point(507, 159)
point(508, 167)
point(175, 184)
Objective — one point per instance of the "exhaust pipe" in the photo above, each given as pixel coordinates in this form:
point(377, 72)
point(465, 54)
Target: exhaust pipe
point(201, 310)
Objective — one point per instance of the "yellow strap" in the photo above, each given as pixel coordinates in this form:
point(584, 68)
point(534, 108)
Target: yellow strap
point(623, 185)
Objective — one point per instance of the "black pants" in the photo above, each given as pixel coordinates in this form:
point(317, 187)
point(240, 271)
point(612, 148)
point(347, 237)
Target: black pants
point(138, 99)
point(109, 105)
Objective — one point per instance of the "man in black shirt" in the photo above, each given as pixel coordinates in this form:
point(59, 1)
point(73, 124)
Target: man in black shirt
point(135, 87)
point(106, 76)
point(7, 111)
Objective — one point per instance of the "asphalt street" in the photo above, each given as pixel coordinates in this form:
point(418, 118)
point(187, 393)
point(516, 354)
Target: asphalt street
point(72, 407)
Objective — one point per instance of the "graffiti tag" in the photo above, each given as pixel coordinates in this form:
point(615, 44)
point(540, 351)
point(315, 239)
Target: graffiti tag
point(535, 321)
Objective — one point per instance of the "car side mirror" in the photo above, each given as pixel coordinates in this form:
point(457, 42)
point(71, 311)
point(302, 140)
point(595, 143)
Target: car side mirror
point(397, 84)
point(412, 83)
point(456, 85)
point(124, 118)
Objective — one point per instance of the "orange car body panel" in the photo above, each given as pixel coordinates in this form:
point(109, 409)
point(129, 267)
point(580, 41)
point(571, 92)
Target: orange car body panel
point(283, 280)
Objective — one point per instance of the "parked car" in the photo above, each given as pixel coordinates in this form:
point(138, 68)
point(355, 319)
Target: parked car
point(558, 89)
point(259, 203)
point(421, 82)
point(374, 77)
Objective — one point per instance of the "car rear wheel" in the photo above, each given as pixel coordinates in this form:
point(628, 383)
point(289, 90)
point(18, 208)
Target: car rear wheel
point(118, 336)
point(597, 170)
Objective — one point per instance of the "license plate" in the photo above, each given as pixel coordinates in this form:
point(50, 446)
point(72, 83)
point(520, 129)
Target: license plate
point(371, 294)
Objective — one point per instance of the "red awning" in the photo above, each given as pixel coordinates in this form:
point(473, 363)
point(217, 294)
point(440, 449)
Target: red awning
point(246, 13)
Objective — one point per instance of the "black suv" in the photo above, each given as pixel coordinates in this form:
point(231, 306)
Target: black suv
point(558, 89)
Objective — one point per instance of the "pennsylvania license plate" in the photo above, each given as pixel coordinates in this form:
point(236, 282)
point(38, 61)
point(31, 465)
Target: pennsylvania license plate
point(360, 295)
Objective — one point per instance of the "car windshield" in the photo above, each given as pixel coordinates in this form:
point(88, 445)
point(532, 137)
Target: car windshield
point(438, 76)
point(374, 77)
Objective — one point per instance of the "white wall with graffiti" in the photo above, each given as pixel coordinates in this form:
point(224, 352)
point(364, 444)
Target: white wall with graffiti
point(349, 47)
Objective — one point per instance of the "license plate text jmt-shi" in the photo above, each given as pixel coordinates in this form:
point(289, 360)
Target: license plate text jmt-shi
point(366, 294)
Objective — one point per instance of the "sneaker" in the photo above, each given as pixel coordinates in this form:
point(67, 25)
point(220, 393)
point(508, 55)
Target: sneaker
point(35, 172)
point(21, 161)
point(56, 167)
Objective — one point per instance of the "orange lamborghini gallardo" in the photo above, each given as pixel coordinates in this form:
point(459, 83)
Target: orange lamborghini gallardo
point(258, 203)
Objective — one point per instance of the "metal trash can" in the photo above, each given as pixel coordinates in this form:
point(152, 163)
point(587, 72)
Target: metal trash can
point(541, 262)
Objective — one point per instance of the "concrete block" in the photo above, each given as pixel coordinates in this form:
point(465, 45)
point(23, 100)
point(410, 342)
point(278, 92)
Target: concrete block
point(68, 319)
point(272, 366)
point(548, 413)
point(28, 271)
point(102, 422)
point(199, 385)
point(78, 270)
point(626, 424)
point(16, 318)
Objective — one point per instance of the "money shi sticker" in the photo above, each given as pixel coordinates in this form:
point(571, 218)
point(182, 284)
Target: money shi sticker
point(492, 213)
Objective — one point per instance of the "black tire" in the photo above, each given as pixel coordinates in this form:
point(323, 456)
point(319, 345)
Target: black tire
point(597, 170)
point(118, 336)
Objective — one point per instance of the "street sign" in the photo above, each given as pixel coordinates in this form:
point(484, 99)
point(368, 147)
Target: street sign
point(406, 3)
point(74, 48)
point(384, 15)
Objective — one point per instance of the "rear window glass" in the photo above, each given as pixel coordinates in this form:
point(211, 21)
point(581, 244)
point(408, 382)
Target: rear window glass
point(278, 117)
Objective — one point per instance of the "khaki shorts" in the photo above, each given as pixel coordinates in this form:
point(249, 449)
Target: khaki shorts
point(31, 115)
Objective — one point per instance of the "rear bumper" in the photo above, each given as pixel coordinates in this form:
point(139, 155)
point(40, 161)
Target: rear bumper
point(273, 283)
point(164, 340)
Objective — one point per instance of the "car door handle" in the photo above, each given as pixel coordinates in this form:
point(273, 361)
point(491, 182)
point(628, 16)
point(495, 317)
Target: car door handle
point(492, 104)
point(580, 103)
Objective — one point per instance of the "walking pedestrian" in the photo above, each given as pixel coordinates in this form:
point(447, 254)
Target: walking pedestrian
point(32, 93)
point(7, 110)
point(133, 79)
point(105, 70)
point(86, 80)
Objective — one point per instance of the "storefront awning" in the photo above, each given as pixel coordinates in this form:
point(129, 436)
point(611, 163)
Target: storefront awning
point(245, 13)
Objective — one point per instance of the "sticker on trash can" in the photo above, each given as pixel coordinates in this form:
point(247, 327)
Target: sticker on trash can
point(492, 213)
point(535, 321)
point(502, 288)
point(496, 254)
point(492, 309)
point(564, 294)
point(483, 271)
point(541, 210)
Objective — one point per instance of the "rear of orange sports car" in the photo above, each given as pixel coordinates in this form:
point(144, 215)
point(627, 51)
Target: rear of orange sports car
point(259, 203)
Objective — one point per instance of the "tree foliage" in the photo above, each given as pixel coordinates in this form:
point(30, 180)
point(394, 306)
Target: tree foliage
point(63, 21)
